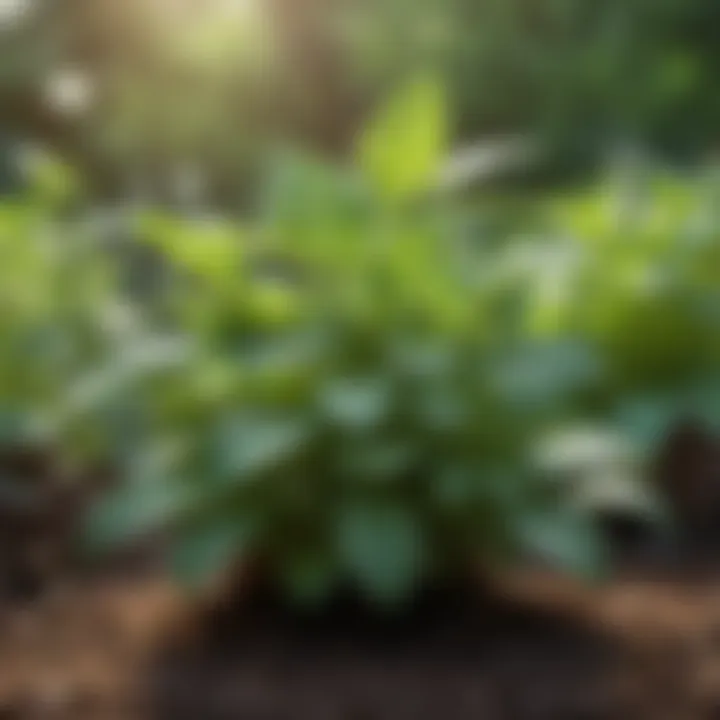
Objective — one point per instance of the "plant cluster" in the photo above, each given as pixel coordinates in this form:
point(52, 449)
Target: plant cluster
point(341, 403)
point(352, 386)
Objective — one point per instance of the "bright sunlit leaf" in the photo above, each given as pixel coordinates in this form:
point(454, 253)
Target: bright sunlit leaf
point(403, 148)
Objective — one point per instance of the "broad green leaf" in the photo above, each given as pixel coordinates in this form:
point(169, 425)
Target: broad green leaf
point(136, 508)
point(356, 403)
point(382, 547)
point(249, 446)
point(647, 420)
point(154, 492)
point(547, 372)
point(144, 358)
point(199, 555)
point(403, 148)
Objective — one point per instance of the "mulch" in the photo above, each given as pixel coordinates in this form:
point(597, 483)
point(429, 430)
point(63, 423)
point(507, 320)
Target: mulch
point(119, 642)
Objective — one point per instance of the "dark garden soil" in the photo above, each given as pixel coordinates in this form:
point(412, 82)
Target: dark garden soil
point(120, 643)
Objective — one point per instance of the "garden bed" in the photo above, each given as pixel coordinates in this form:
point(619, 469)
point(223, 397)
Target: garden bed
point(133, 649)
point(122, 642)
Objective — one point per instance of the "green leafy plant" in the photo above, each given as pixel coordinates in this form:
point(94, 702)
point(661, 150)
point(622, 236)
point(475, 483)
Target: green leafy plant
point(345, 412)
point(644, 284)
point(54, 294)
point(350, 387)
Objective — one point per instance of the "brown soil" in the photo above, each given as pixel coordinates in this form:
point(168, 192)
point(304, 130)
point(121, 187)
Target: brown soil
point(122, 644)
point(544, 648)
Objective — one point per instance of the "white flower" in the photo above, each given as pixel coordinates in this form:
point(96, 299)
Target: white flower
point(69, 91)
point(622, 490)
point(580, 449)
point(487, 161)
point(13, 12)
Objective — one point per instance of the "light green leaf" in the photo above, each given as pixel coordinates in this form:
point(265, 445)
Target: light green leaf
point(403, 148)
point(208, 248)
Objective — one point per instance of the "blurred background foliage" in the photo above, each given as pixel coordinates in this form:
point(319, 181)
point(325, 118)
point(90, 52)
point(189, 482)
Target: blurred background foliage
point(201, 91)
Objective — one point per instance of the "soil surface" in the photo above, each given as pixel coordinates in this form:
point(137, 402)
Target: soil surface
point(451, 656)
point(544, 648)
point(121, 643)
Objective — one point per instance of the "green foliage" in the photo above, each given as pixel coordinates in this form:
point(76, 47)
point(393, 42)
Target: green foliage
point(352, 387)
point(341, 415)
point(52, 298)
point(644, 287)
